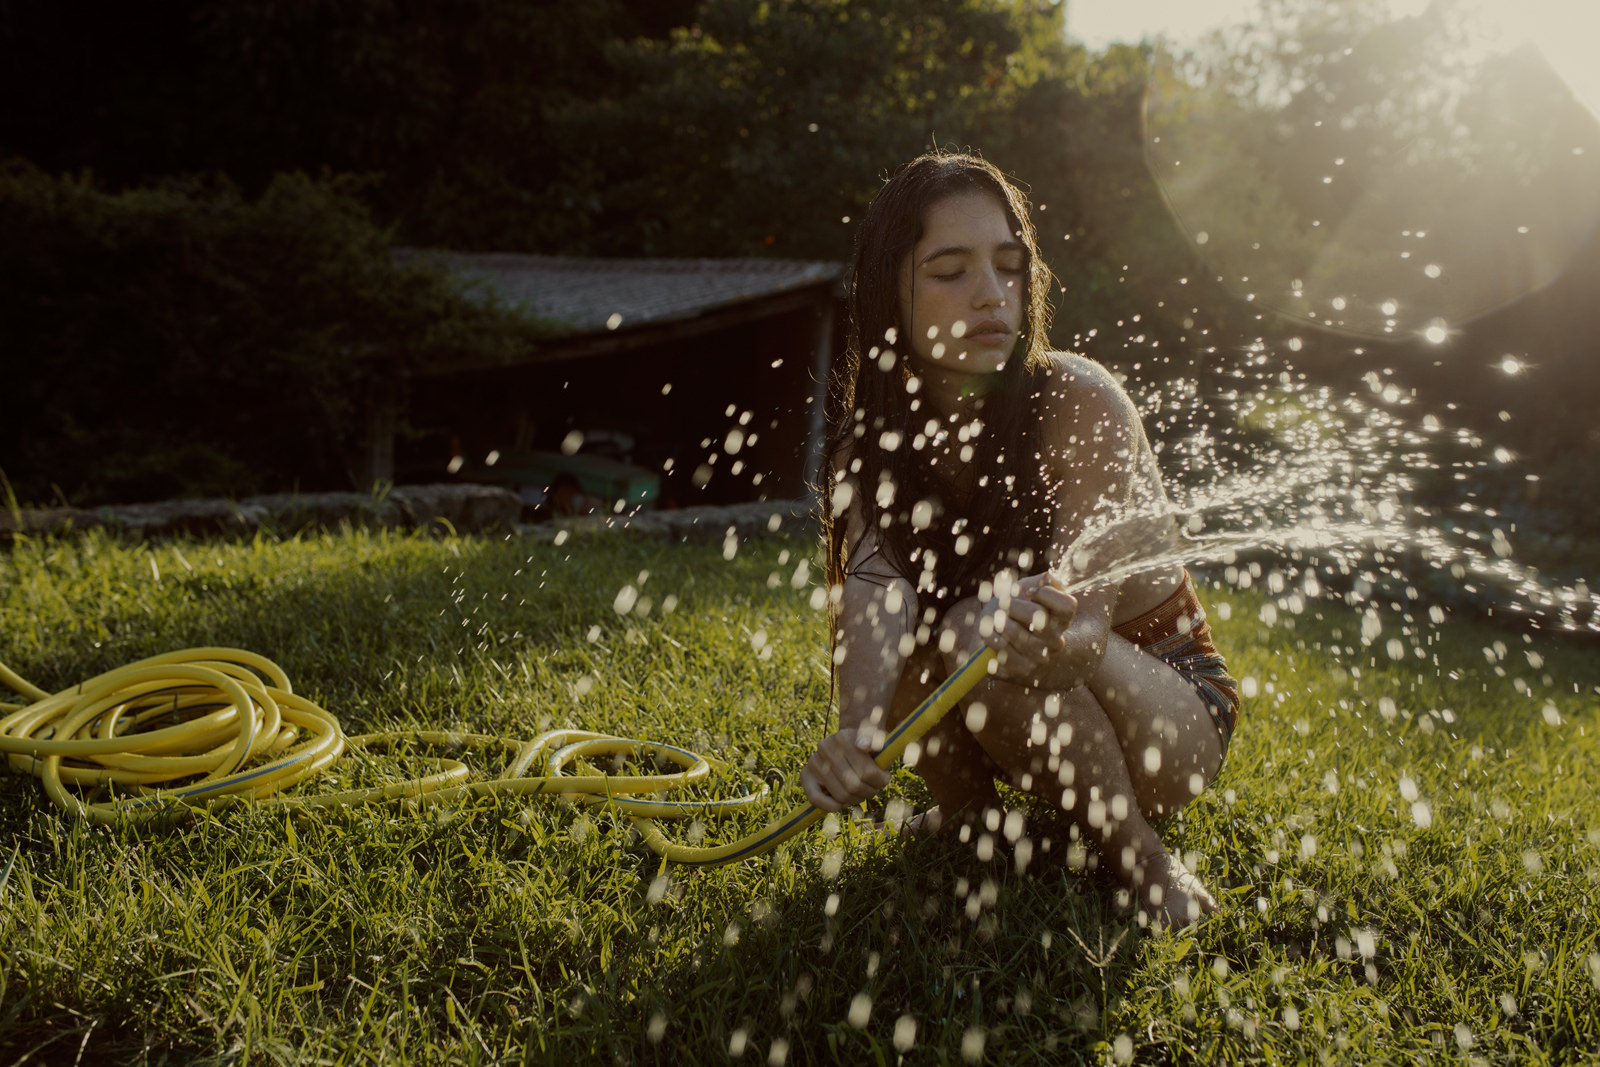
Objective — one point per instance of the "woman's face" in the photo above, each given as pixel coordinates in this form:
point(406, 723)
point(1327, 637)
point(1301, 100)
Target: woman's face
point(963, 287)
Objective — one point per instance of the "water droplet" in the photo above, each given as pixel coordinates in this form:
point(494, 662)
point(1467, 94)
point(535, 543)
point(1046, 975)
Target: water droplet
point(1421, 813)
point(832, 860)
point(977, 716)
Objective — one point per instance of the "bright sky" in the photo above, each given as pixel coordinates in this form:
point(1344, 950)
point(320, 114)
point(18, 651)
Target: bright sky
point(1097, 23)
point(1567, 31)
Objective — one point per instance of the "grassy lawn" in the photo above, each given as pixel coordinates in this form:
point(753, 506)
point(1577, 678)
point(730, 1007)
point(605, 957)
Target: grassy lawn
point(1408, 848)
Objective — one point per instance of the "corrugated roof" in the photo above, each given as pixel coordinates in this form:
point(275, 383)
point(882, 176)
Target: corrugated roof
point(594, 295)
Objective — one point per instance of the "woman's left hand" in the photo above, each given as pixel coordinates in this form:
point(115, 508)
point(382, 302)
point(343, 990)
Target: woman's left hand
point(1028, 628)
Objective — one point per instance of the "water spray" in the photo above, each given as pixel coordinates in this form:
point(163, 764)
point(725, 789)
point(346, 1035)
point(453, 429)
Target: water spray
point(223, 725)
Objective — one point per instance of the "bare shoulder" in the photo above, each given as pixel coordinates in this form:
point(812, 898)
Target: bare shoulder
point(1077, 393)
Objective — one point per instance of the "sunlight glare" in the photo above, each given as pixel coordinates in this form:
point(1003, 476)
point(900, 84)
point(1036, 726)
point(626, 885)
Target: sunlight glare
point(1565, 33)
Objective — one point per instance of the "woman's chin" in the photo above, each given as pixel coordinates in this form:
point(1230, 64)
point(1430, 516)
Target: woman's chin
point(978, 362)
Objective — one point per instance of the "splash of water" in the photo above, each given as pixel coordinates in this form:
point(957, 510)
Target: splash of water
point(1340, 496)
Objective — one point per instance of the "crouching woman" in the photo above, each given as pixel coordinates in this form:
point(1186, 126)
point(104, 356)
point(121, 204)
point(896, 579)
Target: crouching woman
point(967, 461)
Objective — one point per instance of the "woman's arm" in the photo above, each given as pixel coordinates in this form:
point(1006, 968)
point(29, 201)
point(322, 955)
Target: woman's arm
point(877, 624)
point(875, 635)
point(1091, 441)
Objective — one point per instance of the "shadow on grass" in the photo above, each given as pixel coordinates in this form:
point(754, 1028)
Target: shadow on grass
point(919, 950)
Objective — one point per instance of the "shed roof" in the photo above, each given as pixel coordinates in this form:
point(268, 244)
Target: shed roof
point(596, 295)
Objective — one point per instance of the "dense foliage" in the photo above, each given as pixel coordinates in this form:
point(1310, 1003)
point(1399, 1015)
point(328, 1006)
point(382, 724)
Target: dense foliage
point(182, 338)
point(749, 127)
point(718, 128)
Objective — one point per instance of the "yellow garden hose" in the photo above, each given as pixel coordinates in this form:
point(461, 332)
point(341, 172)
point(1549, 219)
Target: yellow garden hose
point(208, 724)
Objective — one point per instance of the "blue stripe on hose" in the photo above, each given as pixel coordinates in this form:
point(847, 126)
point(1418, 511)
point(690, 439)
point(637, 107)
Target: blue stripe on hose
point(755, 846)
point(208, 787)
point(928, 702)
point(675, 805)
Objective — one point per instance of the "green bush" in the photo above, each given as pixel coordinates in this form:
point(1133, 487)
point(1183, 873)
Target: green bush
point(180, 340)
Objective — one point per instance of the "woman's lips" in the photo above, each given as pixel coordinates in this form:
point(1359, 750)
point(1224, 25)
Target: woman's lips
point(989, 331)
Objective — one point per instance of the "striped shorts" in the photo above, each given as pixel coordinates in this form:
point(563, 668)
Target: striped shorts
point(1177, 633)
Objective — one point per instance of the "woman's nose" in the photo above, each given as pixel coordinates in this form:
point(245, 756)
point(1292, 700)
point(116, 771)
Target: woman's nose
point(993, 291)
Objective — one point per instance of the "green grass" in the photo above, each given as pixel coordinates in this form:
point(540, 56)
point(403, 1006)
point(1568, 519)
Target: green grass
point(1409, 850)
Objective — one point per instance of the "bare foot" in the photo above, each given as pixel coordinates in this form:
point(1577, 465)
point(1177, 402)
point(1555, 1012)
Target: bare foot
point(1169, 895)
point(924, 823)
point(932, 823)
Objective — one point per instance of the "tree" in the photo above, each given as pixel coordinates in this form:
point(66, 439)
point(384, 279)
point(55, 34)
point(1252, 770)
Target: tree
point(441, 102)
point(762, 126)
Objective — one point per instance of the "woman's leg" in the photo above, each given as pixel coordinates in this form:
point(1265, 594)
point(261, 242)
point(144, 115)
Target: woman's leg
point(1134, 743)
point(948, 757)
point(1169, 741)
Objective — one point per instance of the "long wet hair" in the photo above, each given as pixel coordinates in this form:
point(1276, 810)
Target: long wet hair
point(876, 418)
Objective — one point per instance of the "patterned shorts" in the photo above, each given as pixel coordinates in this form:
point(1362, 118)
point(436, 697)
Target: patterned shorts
point(1177, 633)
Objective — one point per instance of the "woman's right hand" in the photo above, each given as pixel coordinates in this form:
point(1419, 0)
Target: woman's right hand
point(1027, 629)
point(841, 774)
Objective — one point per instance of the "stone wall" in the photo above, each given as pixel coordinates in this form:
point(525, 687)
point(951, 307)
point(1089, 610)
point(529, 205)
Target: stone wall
point(737, 521)
point(463, 509)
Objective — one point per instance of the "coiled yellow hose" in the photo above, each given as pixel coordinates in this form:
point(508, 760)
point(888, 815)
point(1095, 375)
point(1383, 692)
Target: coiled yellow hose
point(208, 724)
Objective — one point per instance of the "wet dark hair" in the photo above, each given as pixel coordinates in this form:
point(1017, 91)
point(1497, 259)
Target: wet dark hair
point(1005, 512)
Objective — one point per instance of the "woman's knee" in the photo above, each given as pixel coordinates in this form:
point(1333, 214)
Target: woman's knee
point(1076, 734)
point(958, 634)
point(1161, 721)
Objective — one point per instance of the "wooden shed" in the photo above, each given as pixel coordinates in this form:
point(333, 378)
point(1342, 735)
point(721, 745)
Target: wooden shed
point(709, 373)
